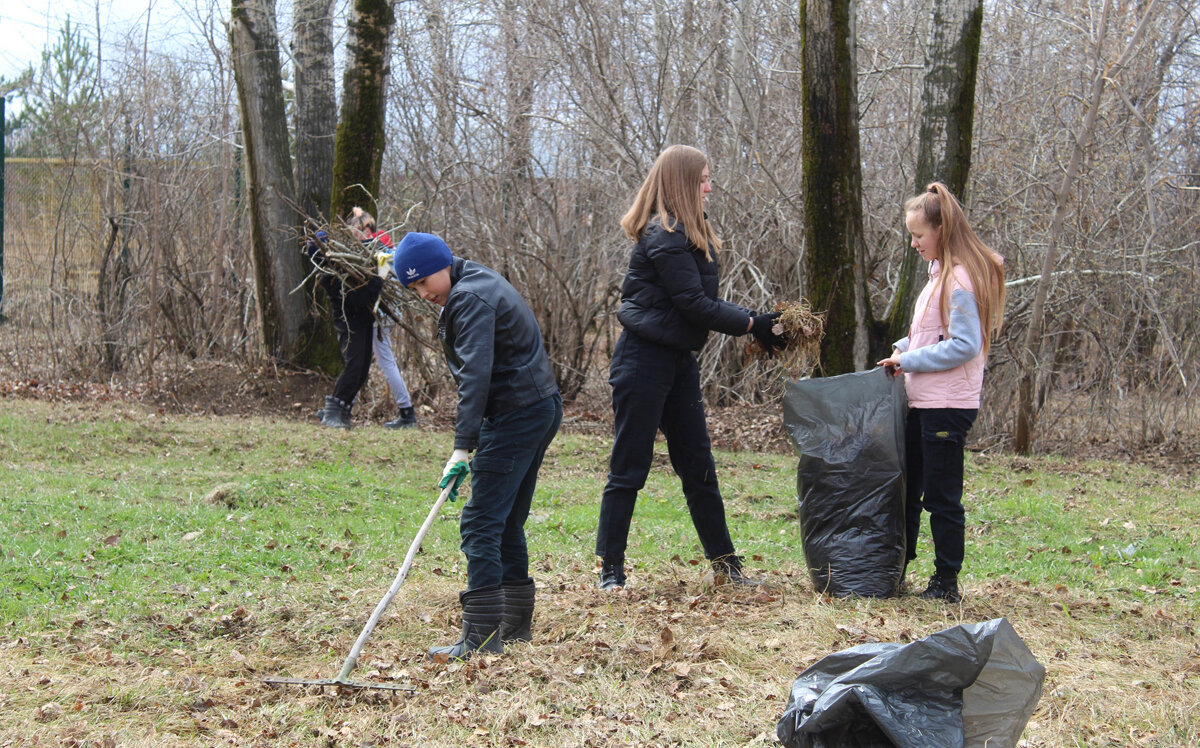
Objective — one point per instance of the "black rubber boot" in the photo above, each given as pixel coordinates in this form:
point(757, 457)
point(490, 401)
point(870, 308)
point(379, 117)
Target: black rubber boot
point(612, 575)
point(335, 414)
point(406, 419)
point(730, 567)
point(943, 585)
point(482, 611)
point(516, 623)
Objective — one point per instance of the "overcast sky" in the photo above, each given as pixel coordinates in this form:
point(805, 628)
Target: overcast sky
point(29, 26)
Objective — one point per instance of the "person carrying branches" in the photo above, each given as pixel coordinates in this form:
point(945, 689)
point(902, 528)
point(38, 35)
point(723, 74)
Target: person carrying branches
point(352, 307)
point(362, 225)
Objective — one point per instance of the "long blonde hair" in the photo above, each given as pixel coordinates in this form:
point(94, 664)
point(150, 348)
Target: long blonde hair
point(671, 193)
point(959, 245)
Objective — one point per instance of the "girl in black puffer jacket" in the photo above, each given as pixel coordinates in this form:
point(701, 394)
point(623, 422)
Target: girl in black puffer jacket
point(669, 304)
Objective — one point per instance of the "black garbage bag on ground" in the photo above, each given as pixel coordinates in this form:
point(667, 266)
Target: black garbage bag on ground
point(970, 685)
point(849, 431)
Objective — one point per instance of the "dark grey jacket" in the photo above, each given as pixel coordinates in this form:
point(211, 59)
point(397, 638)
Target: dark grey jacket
point(493, 346)
point(670, 292)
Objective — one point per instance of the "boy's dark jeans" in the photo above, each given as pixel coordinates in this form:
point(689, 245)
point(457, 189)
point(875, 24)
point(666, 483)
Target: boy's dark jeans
point(658, 387)
point(503, 476)
point(933, 440)
point(354, 338)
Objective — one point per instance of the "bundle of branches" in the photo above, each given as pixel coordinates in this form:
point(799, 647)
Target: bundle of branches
point(801, 330)
point(342, 255)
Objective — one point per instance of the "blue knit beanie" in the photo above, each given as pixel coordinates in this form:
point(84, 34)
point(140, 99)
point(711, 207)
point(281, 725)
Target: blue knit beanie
point(419, 255)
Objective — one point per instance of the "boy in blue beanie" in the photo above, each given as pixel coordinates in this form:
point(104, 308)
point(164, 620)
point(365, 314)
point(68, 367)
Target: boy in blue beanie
point(509, 410)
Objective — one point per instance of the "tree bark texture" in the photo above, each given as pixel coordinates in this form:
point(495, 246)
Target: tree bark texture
point(358, 156)
point(947, 124)
point(277, 263)
point(315, 128)
point(833, 277)
point(316, 106)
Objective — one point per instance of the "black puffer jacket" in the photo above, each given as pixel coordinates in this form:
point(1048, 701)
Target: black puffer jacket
point(670, 292)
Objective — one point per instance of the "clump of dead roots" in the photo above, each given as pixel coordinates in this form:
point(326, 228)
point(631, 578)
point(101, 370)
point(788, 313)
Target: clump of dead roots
point(801, 330)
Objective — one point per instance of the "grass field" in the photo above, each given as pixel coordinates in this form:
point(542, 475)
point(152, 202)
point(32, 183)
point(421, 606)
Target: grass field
point(153, 570)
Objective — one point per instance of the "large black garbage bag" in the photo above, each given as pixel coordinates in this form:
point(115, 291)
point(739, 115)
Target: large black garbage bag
point(849, 431)
point(971, 685)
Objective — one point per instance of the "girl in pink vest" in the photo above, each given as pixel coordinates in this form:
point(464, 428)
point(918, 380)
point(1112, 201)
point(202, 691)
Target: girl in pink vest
point(942, 360)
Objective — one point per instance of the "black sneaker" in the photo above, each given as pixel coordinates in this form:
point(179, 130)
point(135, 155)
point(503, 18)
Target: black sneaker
point(612, 575)
point(942, 587)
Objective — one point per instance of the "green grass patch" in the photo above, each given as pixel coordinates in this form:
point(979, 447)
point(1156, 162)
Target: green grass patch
point(154, 569)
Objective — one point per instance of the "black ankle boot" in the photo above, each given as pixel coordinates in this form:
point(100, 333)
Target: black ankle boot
point(730, 567)
point(406, 419)
point(335, 414)
point(943, 585)
point(516, 625)
point(612, 575)
point(482, 611)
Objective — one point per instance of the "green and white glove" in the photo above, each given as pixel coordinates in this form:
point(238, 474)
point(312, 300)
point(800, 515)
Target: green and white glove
point(456, 469)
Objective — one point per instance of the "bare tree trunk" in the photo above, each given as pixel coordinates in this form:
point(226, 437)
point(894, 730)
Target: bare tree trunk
point(947, 121)
point(277, 263)
point(1027, 404)
point(316, 105)
point(315, 125)
point(358, 155)
point(833, 265)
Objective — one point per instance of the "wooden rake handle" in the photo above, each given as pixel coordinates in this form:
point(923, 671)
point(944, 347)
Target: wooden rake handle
point(352, 658)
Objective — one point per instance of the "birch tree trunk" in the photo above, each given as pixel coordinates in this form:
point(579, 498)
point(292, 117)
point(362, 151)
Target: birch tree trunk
point(1025, 419)
point(277, 263)
point(833, 265)
point(358, 154)
point(947, 121)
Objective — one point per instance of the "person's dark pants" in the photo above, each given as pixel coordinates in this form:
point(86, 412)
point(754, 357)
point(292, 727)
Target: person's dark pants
point(933, 440)
point(354, 338)
point(503, 476)
point(655, 387)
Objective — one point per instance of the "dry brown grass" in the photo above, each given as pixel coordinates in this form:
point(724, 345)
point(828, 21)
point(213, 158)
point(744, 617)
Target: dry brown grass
point(802, 331)
point(673, 660)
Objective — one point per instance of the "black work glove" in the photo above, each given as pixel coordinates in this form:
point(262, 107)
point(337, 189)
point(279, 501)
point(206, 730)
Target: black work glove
point(760, 328)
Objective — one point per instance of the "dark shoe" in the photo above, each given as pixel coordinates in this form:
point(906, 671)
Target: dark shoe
point(406, 419)
point(335, 414)
point(612, 575)
point(482, 612)
point(516, 622)
point(730, 567)
point(943, 586)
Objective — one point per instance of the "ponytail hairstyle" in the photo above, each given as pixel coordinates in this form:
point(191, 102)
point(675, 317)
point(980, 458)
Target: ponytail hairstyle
point(671, 194)
point(960, 246)
point(361, 220)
